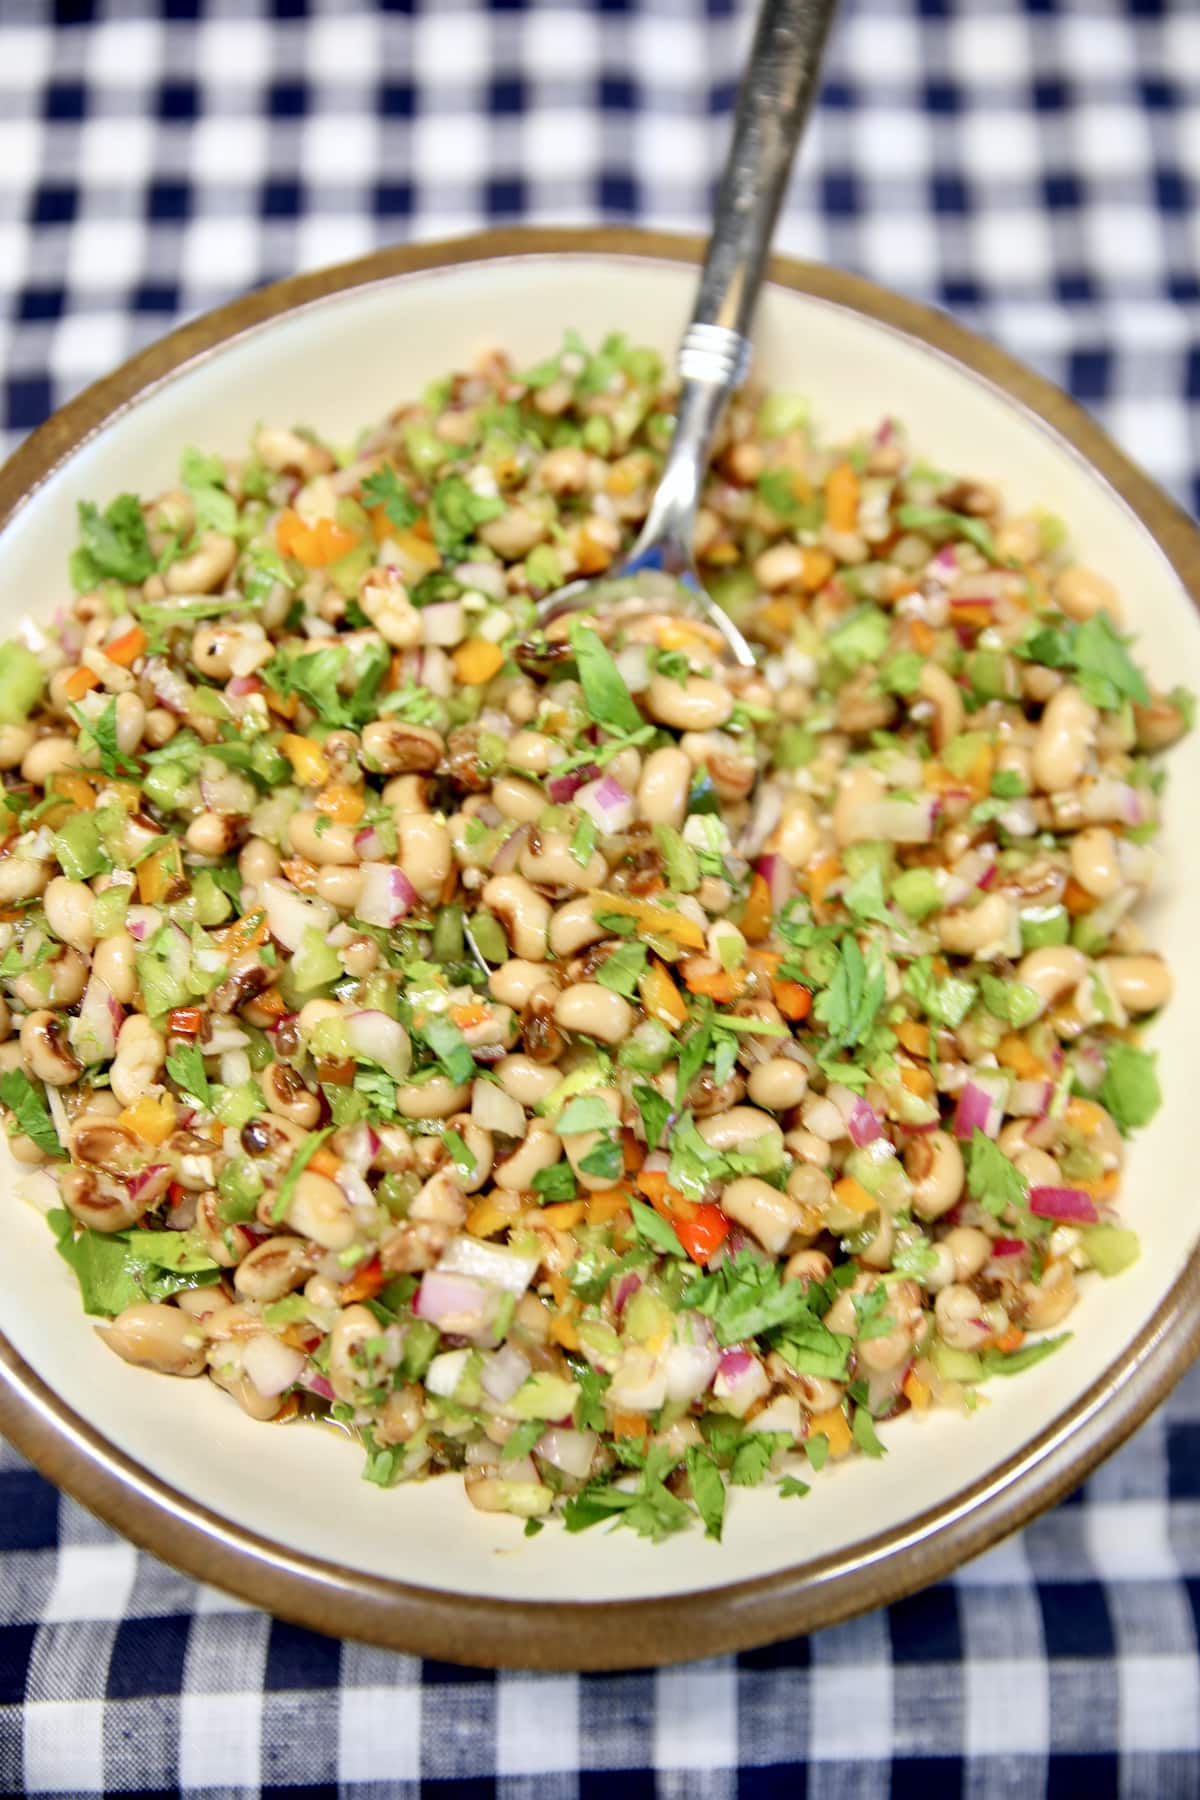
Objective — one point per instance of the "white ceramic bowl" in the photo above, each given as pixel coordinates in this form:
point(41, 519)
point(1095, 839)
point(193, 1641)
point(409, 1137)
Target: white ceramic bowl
point(281, 1516)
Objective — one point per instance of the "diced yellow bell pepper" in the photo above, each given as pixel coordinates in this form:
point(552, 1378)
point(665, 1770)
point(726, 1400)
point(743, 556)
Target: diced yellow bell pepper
point(309, 762)
point(150, 1119)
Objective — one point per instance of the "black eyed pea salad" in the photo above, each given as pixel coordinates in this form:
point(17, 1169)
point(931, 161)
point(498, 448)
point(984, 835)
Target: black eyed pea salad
point(552, 1055)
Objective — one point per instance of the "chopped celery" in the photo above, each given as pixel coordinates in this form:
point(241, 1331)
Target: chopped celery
point(78, 848)
point(22, 679)
point(108, 911)
point(1110, 1248)
point(233, 1106)
point(781, 413)
point(872, 853)
point(544, 1396)
point(1042, 925)
point(315, 963)
point(962, 752)
point(917, 893)
point(213, 905)
point(795, 747)
point(955, 1365)
point(239, 1185)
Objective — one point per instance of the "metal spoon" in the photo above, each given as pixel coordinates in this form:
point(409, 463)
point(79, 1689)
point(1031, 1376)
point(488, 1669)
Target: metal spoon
point(714, 357)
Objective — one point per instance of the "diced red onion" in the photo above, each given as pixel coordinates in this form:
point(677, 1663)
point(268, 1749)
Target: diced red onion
point(94, 1032)
point(369, 844)
point(780, 1414)
point(1030, 1099)
point(863, 1124)
point(922, 1125)
point(977, 1110)
point(508, 854)
point(148, 1184)
point(437, 672)
point(290, 915)
point(1009, 1247)
point(494, 1263)
point(378, 1038)
point(451, 1301)
point(776, 871)
point(986, 602)
point(494, 1110)
point(566, 1449)
point(624, 1291)
point(271, 1365)
point(561, 788)
point(735, 1364)
point(442, 623)
point(485, 577)
point(640, 1381)
point(503, 1372)
point(446, 1371)
point(360, 1144)
point(690, 1370)
point(740, 1381)
point(988, 877)
point(141, 922)
point(354, 1186)
point(945, 563)
point(238, 686)
point(316, 1383)
point(386, 896)
point(1071, 1206)
point(607, 804)
point(884, 433)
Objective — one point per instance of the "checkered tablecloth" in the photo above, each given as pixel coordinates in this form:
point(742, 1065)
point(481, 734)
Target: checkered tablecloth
point(1037, 170)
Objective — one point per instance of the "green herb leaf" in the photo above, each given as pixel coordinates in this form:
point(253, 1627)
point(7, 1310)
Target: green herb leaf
point(847, 1007)
point(655, 1110)
point(586, 1112)
point(747, 1296)
point(185, 1066)
point(305, 1151)
point(941, 520)
point(1013, 1362)
point(790, 1488)
point(708, 1490)
point(558, 1182)
point(521, 1439)
point(457, 512)
point(30, 1112)
point(752, 1457)
point(864, 896)
point(864, 1433)
point(659, 1233)
point(113, 543)
point(1130, 1090)
point(992, 1179)
point(450, 1047)
point(604, 1159)
point(386, 489)
point(102, 729)
point(622, 969)
point(605, 693)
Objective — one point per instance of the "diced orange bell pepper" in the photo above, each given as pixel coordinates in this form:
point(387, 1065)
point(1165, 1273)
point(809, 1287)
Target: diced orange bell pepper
point(818, 567)
point(820, 878)
point(365, 1283)
point(853, 1196)
point(468, 1016)
point(976, 614)
point(914, 1036)
point(722, 985)
point(1010, 1340)
point(793, 999)
point(341, 802)
point(314, 545)
point(487, 1217)
point(246, 933)
point(704, 1232)
point(150, 1119)
point(916, 1391)
point(756, 919)
point(80, 682)
point(606, 1204)
point(309, 762)
point(127, 648)
point(923, 636)
point(563, 1332)
point(917, 1081)
point(186, 1021)
point(564, 1215)
point(655, 919)
point(476, 661)
point(160, 875)
point(630, 1425)
point(1076, 898)
point(285, 705)
point(841, 497)
point(835, 1428)
point(653, 1183)
point(1013, 1053)
point(661, 998)
point(76, 788)
point(324, 1162)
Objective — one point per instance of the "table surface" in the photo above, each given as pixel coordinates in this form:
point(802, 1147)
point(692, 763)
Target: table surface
point(1035, 170)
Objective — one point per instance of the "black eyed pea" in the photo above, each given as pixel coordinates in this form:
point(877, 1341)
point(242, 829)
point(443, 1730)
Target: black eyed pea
point(258, 861)
point(813, 1150)
point(273, 1268)
point(1159, 725)
point(740, 1126)
point(226, 1244)
point(841, 1316)
point(349, 1369)
point(524, 913)
point(385, 601)
point(976, 930)
point(161, 727)
point(1052, 971)
point(564, 470)
point(44, 1047)
point(959, 1313)
point(1048, 1302)
point(15, 741)
point(22, 878)
point(1037, 1166)
point(1081, 592)
point(970, 1249)
point(517, 981)
point(779, 567)
point(933, 1163)
point(778, 1084)
point(797, 837)
point(945, 697)
point(518, 799)
point(319, 1210)
point(339, 885)
point(662, 793)
point(68, 907)
point(153, 1336)
point(538, 1150)
point(1064, 740)
point(439, 1200)
point(206, 568)
point(407, 794)
point(141, 1051)
point(595, 1012)
point(573, 926)
point(435, 1099)
point(514, 533)
point(1095, 861)
point(807, 1266)
point(288, 453)
point(812, 1190)
point(332, 844)
point(547, 860)
point(579, 1144)
point(22, 1149)
point(214, 834)
point(1141, 983)
point(533, 752)
point(424, 852)
point(261, 1407)
point(200, 1303)
point(394, 747)
point(98, 1203)
point(129, 722)
point(890, 1349)
point(773, 1218)
point(61, 981)
point(6, 1022)
point(527, 1081)
point(858, 790)
point(877, 1252)
point(697, 704)
point(288, 1097)
point(50, 756)
point(113, 963)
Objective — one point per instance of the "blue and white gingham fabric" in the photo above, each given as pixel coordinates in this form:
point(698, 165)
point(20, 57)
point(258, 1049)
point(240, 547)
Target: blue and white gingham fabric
point(1037, 170)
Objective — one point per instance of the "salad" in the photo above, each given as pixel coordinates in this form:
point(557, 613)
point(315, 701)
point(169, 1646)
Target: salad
point(552, 1054)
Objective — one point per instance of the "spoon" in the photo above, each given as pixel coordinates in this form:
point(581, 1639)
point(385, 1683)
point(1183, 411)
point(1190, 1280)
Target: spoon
point(714, 357)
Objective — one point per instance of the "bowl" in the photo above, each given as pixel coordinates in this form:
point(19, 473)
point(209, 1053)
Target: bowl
point(281, 1517)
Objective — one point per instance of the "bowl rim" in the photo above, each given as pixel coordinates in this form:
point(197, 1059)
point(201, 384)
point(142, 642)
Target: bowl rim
point(578, 1635)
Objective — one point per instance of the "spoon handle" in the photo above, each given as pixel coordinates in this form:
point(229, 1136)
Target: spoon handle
point(776, 94)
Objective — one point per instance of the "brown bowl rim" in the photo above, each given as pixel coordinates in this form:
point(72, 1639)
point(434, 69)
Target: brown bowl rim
point(637, 1633)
